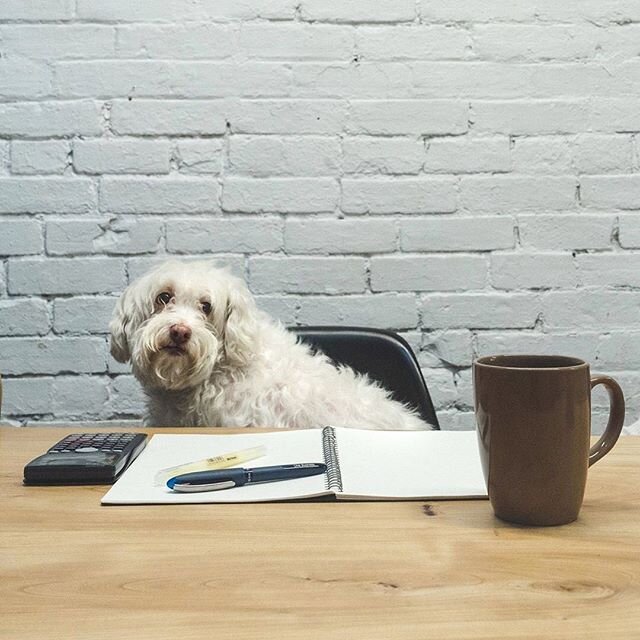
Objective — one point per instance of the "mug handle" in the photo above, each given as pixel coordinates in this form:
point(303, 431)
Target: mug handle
point(616, 418)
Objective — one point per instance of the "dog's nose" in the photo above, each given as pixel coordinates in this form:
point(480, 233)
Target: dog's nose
point(179, 333)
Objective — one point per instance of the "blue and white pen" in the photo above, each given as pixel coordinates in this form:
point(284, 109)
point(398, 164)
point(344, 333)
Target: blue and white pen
point(229, 478)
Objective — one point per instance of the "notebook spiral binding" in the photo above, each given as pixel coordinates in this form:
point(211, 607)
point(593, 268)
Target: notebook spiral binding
point(333, 479)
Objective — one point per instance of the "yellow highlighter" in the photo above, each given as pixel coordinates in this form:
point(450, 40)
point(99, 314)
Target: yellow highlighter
point(222, 461)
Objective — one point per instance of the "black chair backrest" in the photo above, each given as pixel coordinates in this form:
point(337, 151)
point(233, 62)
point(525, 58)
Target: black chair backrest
point(383, 355)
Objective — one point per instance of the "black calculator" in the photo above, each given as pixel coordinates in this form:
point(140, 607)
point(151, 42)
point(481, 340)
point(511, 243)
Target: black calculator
point(85, 458)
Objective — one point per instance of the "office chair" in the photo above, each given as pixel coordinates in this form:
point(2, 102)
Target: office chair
point(383, 355)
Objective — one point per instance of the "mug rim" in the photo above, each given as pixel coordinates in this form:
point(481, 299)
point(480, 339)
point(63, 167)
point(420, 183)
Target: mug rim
point(510, 361)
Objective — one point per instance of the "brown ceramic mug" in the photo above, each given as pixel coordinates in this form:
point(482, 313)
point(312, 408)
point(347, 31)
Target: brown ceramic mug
point(533, 415)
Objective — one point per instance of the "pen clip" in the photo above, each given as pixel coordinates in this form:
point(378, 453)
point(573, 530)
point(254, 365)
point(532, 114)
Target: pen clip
point(214, 486)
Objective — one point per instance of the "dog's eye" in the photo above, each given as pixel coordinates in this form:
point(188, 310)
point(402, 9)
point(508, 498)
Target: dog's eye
point(164, 298)
point(206, 308)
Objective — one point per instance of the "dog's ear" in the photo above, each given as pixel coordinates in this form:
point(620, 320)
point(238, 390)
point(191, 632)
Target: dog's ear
point(127, 316)
point(240, 325)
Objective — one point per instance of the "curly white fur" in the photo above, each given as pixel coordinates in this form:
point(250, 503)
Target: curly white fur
point(237, 367)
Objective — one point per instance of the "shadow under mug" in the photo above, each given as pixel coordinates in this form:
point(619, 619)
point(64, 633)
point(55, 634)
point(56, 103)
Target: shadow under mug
point(533, 416)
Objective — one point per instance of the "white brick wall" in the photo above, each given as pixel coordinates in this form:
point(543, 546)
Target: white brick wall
point(467, 173)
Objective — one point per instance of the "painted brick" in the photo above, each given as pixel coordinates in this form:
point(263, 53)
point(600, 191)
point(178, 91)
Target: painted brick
point(481, 310)
point(398, 117)
point(20, 236)
point(553, 232)
point(519, 193)
point(543, 10)
point(346, 80)
point(175, 10)
point(63, 396)
point(54, 119)
point(137, 267)
point(157, 195)
point(126, 397)
point(383, 155)
point(504, 80)
point(289, 195)
point(428, 273)
point(618, 191)
point(296, 41)
point(307, 275)
point(77, 395)
point(282, 308)
point(518, 42)
point(446, 348)
point(110, 236)
point(620, 350)
point(47, 195)
point(83, 314)
point(204, 235)
point(199, 156)
point(464, 388)
point(358, 11)
point(389, 310)
point(185, 42)
point(401, 195)
point(590, 309)
point(599, 154)
point(52, 355)
point(615, 114)
point(4, 157)
point(318, 236)
point(37, 10)
point(58, 41)
point(467, 155)
point(24, 317)
point(22, 78)
point(47, 156)
point(442, 388)
point(412, 42)
point(629, 231)
point(100, 156)
point(225, 10)
point(120, 10)
point(579, 345)
point(288, 116)
point(533, 271)
point(543, 154)
point(449, 233)
point(619, 269)
point(530, 117)
point(274, 156)
point(168, 117)
point(27, 396)
point(65, 275)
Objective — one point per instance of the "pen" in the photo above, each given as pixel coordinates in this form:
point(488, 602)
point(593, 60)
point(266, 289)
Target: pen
point(229, 478)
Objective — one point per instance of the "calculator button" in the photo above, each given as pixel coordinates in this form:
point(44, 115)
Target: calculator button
point(85, 449)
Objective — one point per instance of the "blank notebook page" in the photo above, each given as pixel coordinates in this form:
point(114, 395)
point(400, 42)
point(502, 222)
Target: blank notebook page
point(382, 464)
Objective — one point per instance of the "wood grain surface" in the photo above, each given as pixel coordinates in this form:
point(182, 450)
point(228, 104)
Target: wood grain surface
point(73, 569)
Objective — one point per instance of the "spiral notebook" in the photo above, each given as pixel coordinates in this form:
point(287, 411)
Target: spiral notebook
point(361, 465)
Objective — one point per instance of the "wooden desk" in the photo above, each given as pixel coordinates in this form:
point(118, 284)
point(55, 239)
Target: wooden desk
point(71, 569)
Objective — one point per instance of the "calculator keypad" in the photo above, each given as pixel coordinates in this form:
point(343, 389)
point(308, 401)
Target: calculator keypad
point(89, 443)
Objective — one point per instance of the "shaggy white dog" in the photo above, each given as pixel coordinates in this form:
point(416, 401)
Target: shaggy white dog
point(206, 356)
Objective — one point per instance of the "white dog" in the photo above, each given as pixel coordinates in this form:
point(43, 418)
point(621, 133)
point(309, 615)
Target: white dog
point(206, 356)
